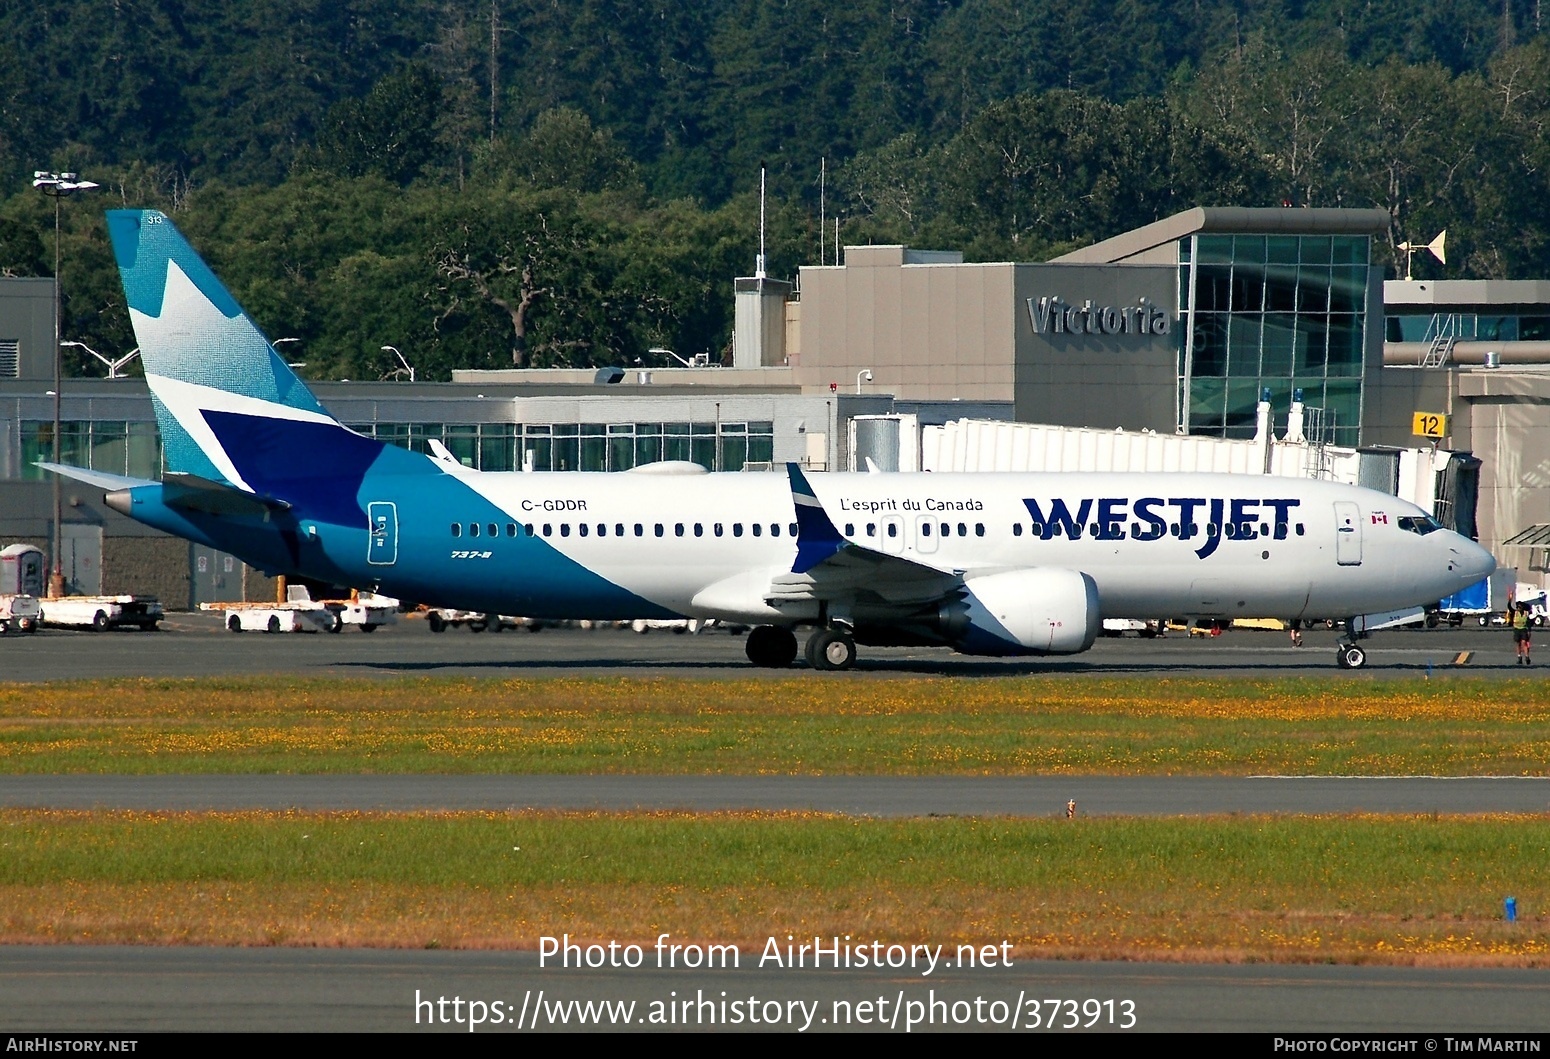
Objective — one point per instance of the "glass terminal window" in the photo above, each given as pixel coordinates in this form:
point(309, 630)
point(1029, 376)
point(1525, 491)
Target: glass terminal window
point(1280, 312)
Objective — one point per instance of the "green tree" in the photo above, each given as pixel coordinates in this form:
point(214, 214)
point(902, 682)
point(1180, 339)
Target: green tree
point(522, 256)
point(562, 150)
point(1293, 112)
point(803, 80)
point(391, 131)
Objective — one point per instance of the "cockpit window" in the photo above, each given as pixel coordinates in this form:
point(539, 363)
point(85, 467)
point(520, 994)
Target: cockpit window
point(1419, 524)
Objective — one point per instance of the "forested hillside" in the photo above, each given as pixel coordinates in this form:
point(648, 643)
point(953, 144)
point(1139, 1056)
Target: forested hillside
point(552, 182)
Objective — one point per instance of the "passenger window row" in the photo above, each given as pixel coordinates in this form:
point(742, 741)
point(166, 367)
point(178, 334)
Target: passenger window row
point(944, 529)
point(1098, 530)
point(1153, 531)
point(602, 529)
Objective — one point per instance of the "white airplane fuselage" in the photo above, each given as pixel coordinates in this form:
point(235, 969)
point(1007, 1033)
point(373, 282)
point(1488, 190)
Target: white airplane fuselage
point(687, 543)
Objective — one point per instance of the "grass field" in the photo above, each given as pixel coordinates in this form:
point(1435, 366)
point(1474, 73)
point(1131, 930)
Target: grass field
point(796, 725)
point(1364, 889)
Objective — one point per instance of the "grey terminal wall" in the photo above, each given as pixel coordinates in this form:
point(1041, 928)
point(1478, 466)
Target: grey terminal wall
point(1096, 346)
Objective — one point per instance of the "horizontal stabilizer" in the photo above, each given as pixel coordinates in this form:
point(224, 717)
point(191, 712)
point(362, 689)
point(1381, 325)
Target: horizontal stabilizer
point(99, 479)
point(193, 493)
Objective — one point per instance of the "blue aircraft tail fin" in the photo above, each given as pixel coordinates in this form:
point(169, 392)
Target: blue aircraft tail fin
point(230, 409)
point(201, 352)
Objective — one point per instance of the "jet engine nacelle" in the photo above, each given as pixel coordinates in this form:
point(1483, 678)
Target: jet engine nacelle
point(1038, 611)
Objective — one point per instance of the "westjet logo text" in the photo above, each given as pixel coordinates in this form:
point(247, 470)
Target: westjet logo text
point(1151, 518)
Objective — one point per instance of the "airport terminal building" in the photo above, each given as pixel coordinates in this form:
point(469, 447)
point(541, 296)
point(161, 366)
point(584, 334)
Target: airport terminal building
point(1180, 327)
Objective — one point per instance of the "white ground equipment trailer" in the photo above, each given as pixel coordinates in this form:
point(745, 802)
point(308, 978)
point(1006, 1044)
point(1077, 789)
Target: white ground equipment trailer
point(19, 613)
point(100, 613)
point(440, 619)
point(301, 613)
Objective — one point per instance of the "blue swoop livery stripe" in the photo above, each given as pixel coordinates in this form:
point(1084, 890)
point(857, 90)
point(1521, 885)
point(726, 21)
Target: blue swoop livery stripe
point(522, 575)
point(817, 537)
point(329, 474)
point(144, 242)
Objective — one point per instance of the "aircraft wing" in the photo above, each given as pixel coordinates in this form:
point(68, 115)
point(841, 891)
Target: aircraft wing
point(829, 567)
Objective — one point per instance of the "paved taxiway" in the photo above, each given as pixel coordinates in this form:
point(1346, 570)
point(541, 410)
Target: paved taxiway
point(123, 990)
point(862, 795)
point(197, 645)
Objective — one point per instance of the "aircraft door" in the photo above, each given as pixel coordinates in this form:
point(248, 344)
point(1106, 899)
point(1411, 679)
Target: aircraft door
point(1348, 534)
point(925, 534)
point(382, 540)
point(892, 529)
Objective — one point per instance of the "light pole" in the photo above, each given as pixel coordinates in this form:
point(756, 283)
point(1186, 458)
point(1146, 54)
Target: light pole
point(113, 365)
point(277, 343)
point(663, 352)
point(398, 371)
point(56, 186)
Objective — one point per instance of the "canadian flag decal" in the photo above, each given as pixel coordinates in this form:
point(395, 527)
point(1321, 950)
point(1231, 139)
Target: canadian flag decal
point(1378, 516)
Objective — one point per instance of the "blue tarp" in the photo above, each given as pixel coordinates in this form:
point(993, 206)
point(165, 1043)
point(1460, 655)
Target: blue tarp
point(1476, 599)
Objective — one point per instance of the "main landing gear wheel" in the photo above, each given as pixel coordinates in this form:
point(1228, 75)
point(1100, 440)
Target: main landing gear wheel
point(771, 647)
point(831, 649)
point(1351, 656)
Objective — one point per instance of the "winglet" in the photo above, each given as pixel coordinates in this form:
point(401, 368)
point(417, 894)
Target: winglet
point(817, 537)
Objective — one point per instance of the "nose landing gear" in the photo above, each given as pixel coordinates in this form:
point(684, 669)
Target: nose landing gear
point(1347, 653)
point(1350, 656)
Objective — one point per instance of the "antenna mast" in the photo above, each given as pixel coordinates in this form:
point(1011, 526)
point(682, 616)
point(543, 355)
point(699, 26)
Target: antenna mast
point(758, 270)
point(823, 167)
